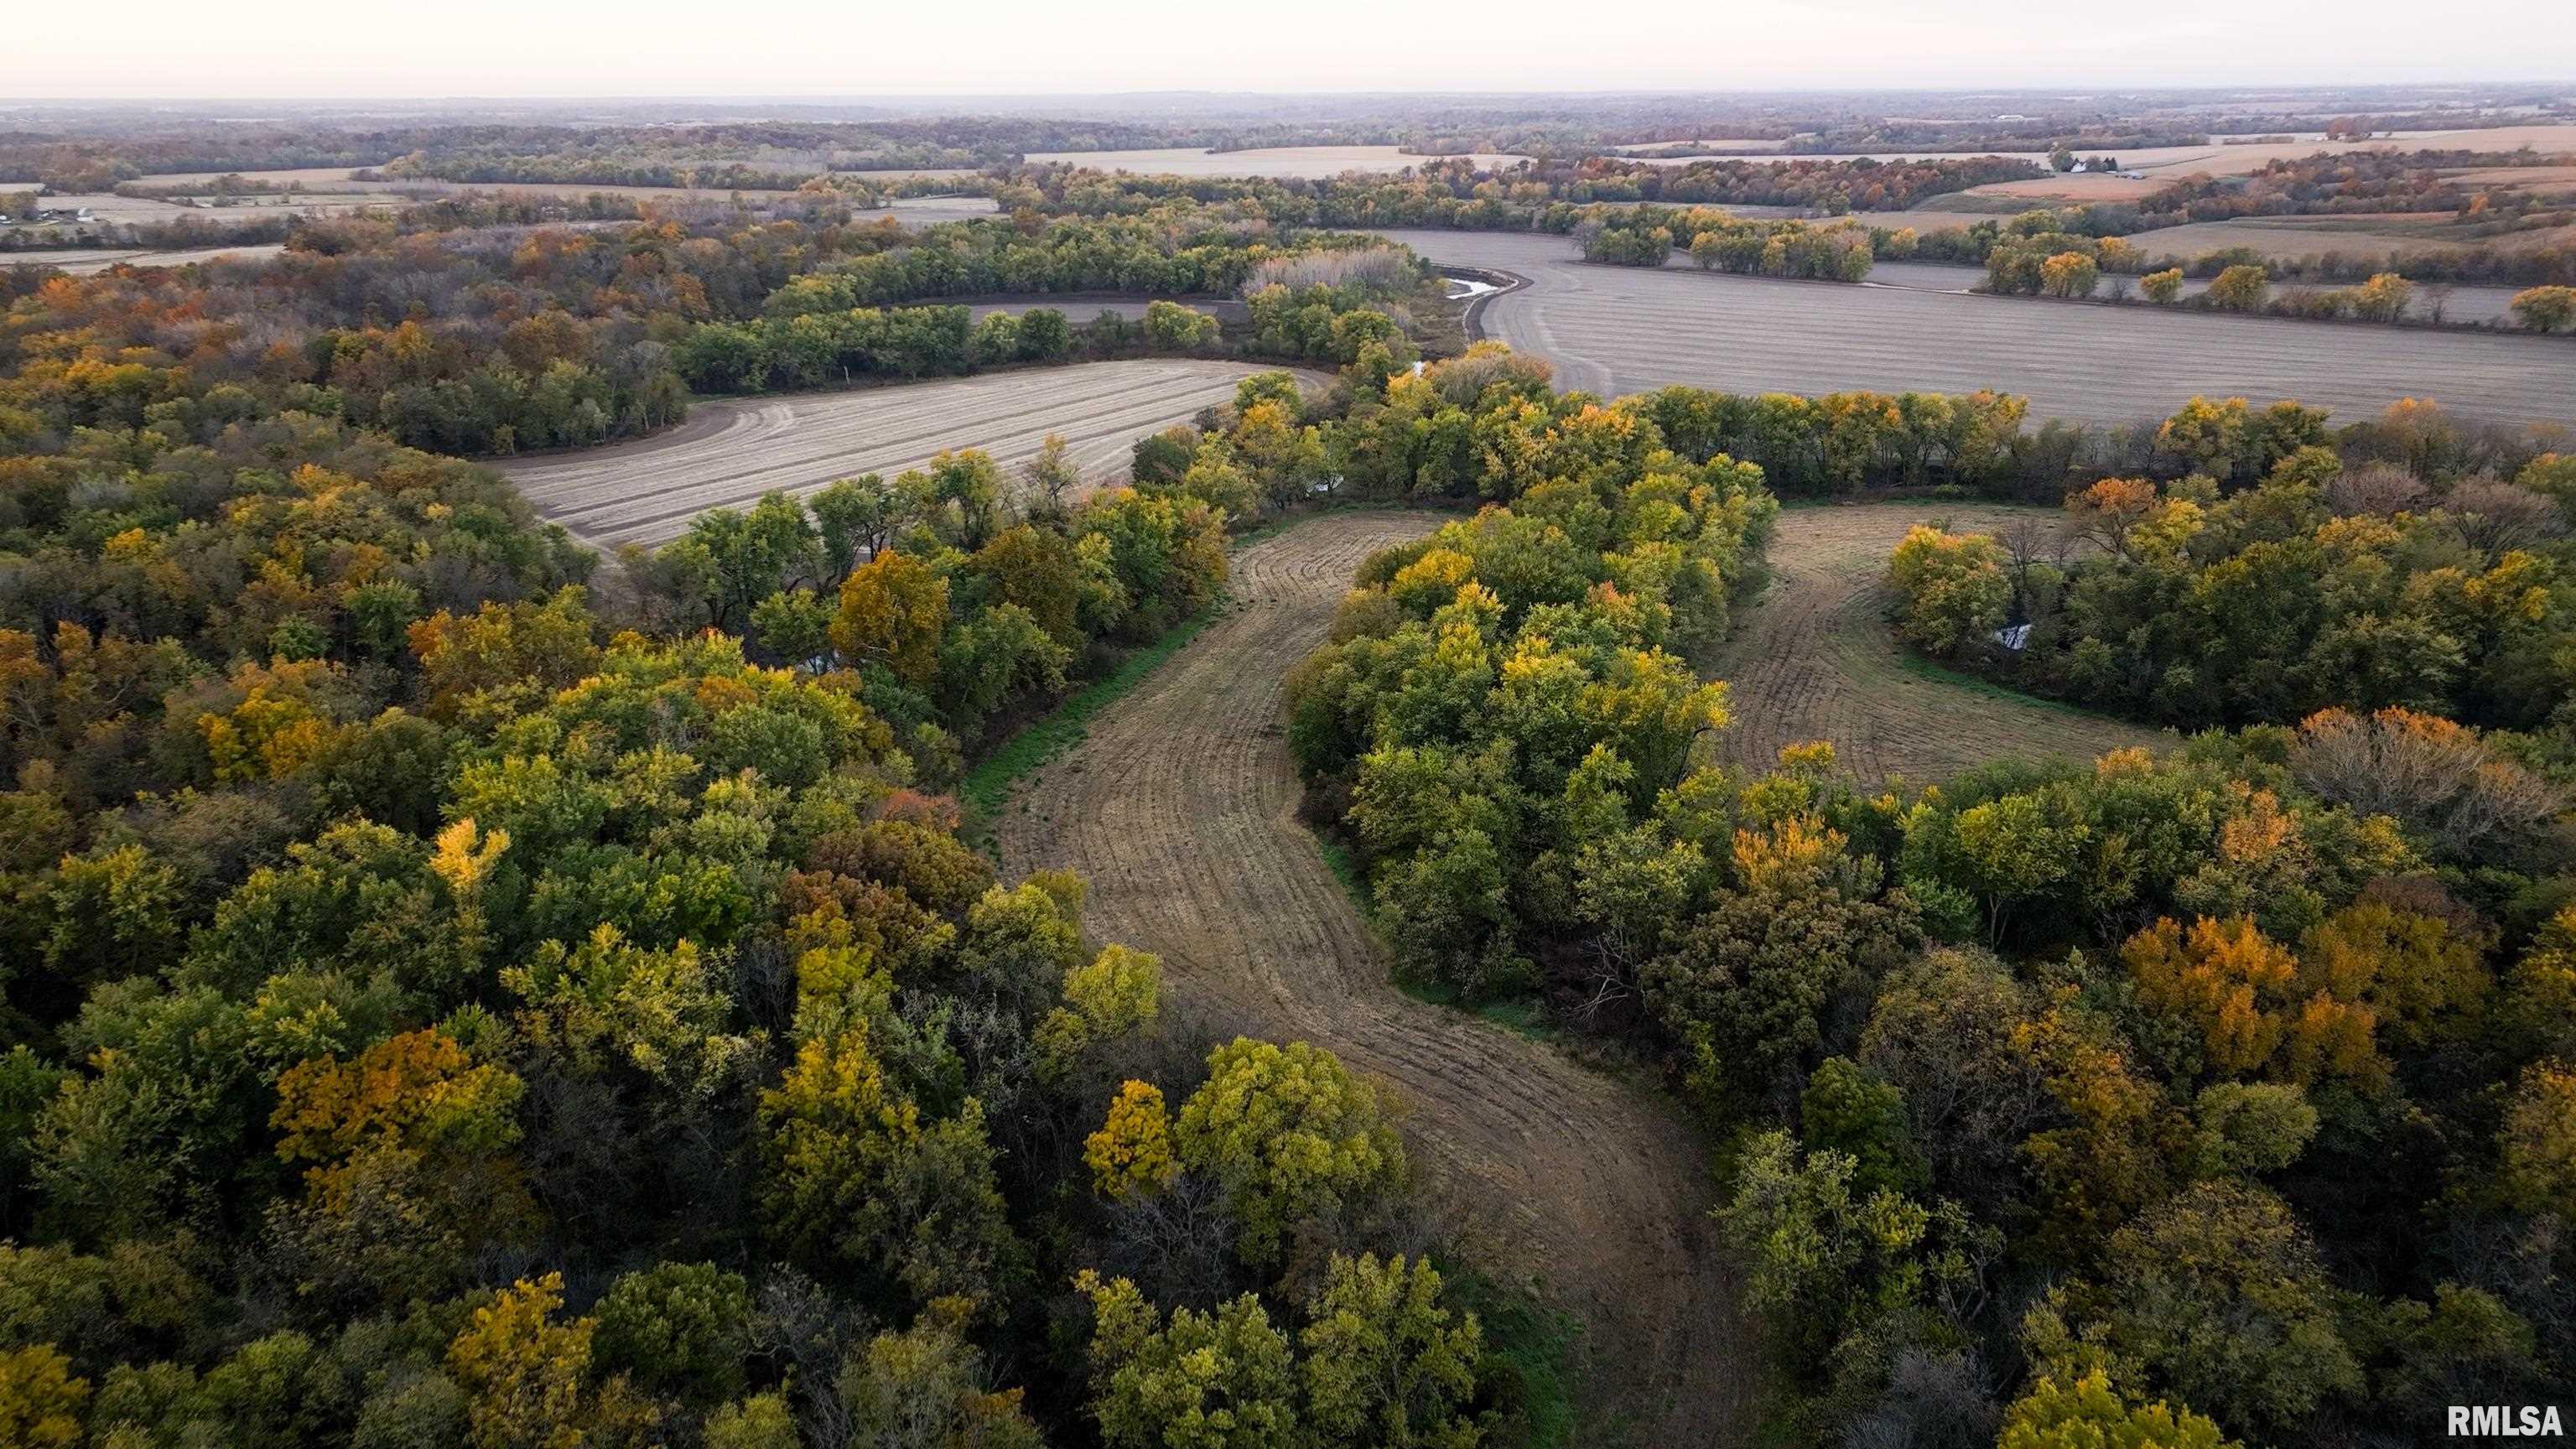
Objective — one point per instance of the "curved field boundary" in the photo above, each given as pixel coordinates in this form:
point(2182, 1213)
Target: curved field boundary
point(729, 453)
point(1180, 807)
point(1814, 659)
point(1617, 330)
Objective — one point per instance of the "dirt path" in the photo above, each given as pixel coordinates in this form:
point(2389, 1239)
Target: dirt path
point(1813, 660)
point(1180, 808)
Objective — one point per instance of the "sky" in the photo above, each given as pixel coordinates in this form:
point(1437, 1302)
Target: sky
point(854, 49)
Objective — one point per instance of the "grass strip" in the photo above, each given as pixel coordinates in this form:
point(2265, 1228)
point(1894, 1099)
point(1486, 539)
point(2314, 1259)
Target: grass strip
point(987, 787)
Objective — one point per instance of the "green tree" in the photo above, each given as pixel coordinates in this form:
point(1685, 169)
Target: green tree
point(1221, 1380)
point(1291, 1136)
point(2219, 1293)
point(1384, 1362)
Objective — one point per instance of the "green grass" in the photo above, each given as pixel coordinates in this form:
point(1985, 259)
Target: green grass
point(986, 790)
point(987, 787)
point(1923, 668)
point(1530, 1362)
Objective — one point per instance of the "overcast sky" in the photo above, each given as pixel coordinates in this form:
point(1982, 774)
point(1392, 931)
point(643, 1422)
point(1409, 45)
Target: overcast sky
point(853, 49)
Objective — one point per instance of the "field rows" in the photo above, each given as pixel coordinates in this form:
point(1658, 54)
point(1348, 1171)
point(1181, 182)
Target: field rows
point(1614, 330)
point(1813, 659)
point(1179, 808)
point(730, 453)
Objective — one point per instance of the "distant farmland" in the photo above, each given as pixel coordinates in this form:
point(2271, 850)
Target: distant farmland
point(1613, 330)
point(1308, 161)
point(729, 453)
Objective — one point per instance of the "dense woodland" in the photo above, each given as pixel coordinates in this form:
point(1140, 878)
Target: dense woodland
point(2219, 1094)
point(2273, 580)
point(455, 992)
point(446, 1005)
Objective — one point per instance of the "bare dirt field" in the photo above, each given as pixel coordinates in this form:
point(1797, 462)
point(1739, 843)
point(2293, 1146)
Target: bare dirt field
point(729, 453)
point(1813, 659)
point(2291, 237)
point(1180, 808)
point(80, 261)
point(2459, 303)
point(336, 180)
point(1306, 161)
point(1614, 330)
point(2224, 160)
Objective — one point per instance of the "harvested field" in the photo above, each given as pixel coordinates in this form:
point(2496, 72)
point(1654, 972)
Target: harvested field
point(2223, 160)
point(2292, 237)
point(729, 453)
point(2459, 303)
point(79, 261)
point(1307, 161)
point(1813, 659)
point(1614, 330)
point(1180, 808)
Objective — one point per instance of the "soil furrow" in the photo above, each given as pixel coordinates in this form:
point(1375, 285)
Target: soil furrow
point(1180, 807)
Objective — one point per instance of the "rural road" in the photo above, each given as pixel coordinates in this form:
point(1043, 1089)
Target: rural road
point(1813, 659)
point(1180, 807)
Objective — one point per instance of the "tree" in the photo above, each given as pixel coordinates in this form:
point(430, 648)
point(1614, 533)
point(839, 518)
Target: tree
point(924, 1389)
point(856, 1175)
point(1175, 328)
point(2537, 1142)
point(2240, 288)
point(894, 611)
point(2383, 298)
point(2088, 1414)
point(1384, 1362)
point(2161, 288)
point(679, 1330)
point(1292, 1138)
point(1952, 586)
point(1132, 1151)
point(2545, 309)
point(2069, 274)
point(1222, 1380)
point(2219, 1293)
point(40, 1399)
point(527, 1378)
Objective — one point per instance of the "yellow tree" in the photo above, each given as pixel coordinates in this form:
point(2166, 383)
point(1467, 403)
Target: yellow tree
point(893, 612)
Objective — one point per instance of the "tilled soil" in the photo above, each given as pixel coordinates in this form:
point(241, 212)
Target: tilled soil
point(1180, 808)
point(729, 453)
point(1814, 659)
point(1616, 330)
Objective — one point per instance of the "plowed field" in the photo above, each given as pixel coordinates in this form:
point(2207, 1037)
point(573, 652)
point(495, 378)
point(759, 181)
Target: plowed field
point(1614, 330)
point(1180, 807)
point(729, 453)
point(1813, 659)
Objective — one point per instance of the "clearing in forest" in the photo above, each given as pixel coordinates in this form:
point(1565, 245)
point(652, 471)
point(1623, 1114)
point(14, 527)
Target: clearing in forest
point(1814, 659)
point(1180, 807)
point(729, 453)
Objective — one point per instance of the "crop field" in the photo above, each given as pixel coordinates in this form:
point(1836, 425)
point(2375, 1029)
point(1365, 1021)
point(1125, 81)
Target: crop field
point(2290, 237)
point(1614, 330)
point(729, 453)
point(2459, 303)
point(80, 261)
point(1179, 806)
point(1814, 659)
point(1305, 161)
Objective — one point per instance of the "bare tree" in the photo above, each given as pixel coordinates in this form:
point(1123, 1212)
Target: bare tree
point(2493, 516)
point(2375, 488)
